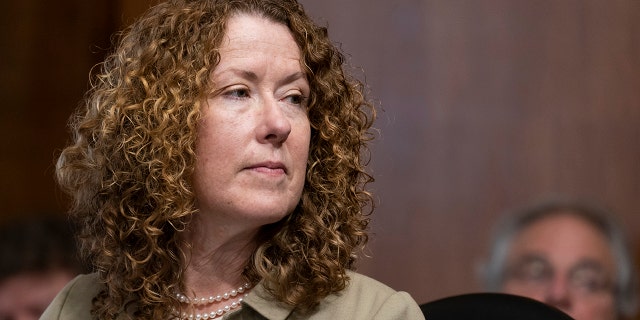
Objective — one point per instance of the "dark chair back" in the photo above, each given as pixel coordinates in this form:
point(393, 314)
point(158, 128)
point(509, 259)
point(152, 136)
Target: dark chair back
point(490, 306)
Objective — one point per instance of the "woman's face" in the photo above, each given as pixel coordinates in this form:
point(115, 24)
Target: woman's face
point(253, 141)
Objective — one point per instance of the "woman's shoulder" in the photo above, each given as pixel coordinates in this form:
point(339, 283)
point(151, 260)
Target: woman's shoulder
point(366, 288)
point(367, 298)
point(74, 301)
point(359, 283)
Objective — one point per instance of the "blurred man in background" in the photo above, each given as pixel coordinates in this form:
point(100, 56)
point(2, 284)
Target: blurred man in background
point(37, 258)
point(567, 254)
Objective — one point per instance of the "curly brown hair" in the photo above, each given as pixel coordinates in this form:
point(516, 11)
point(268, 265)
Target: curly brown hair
point(129, 167)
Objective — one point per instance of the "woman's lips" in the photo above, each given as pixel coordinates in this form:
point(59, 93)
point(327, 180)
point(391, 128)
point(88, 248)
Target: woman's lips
point(269, 167)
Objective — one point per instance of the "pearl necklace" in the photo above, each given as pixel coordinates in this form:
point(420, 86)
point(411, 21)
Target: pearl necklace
point(204, 301)
point(207, 315)
point(211, 299)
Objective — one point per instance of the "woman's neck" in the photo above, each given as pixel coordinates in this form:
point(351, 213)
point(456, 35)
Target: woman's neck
point(217, 257)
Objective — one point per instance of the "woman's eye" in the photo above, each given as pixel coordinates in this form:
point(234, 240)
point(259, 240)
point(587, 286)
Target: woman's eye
point(296, 99)
point(237, 93)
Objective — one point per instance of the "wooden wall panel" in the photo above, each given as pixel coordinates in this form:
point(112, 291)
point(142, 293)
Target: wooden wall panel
point(47, 50)
point(489, 105)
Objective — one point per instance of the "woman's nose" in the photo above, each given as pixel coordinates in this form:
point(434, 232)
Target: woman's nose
point(274, 125)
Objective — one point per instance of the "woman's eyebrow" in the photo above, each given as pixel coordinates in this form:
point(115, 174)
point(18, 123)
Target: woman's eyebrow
point(292, 78)
point(245, 74)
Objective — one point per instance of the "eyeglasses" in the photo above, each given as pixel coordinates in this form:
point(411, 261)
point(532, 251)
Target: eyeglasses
point(586, 278)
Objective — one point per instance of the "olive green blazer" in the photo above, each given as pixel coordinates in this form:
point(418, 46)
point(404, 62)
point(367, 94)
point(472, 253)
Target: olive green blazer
point(364, 298)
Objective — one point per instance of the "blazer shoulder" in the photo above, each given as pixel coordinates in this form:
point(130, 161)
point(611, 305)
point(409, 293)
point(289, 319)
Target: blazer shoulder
point(74, 300)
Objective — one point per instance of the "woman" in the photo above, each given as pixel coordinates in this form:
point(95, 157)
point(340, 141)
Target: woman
point(216, 171)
